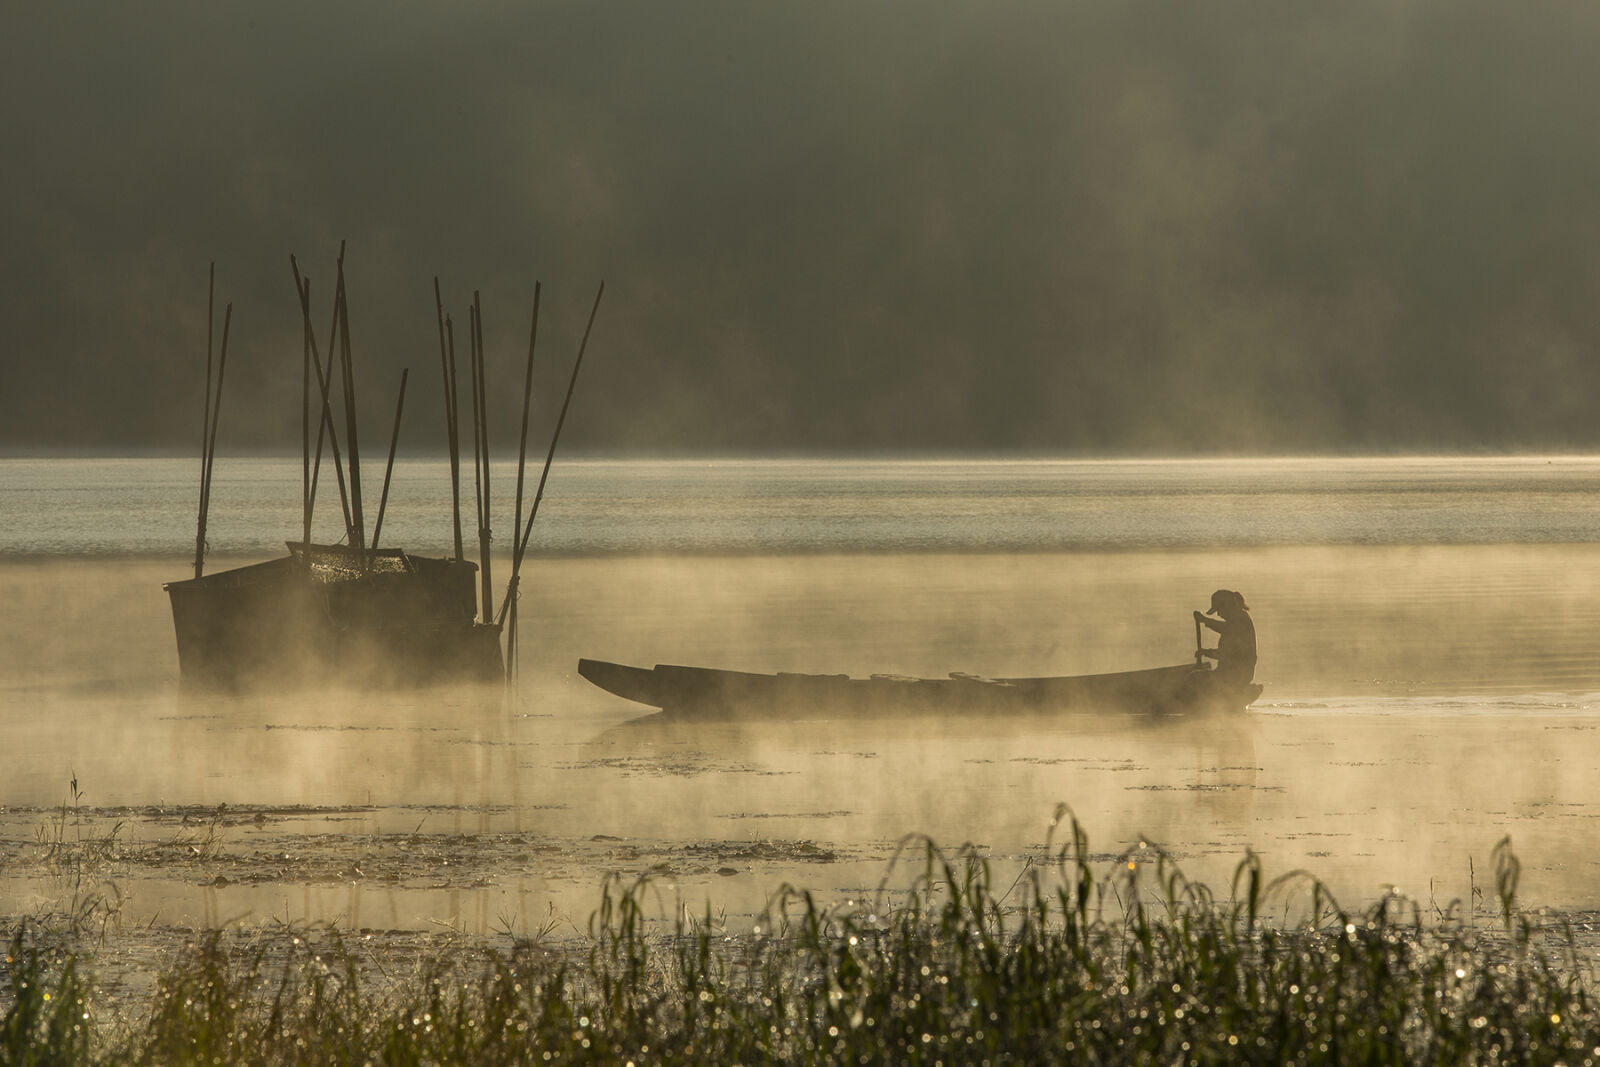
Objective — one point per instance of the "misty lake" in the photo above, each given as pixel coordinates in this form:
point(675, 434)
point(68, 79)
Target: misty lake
point(1428, 634)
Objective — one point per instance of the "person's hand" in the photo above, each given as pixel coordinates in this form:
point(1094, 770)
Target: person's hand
point(1199, 617)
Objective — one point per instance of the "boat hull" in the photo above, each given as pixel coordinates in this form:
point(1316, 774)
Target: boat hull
point(699, 692)
point(311, 618)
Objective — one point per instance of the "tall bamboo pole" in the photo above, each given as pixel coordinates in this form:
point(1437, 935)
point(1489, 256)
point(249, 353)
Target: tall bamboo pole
point(394, 441)
point(216, 407)
point(521, 547)
point(325, 428)
point(447, 365)
point(481, 450)
point(305, 410)
point(522, 458)
point(358, 527)
point(477, 440)
point(516, 559)
point(205, 428)
point(211, 445)
point(328, 430)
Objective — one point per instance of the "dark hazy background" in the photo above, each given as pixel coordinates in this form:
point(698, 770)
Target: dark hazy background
point(1072, 225)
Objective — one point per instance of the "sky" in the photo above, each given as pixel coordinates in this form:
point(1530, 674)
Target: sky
point(1040, 226)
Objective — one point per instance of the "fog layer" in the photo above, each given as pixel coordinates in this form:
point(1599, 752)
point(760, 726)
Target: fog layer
point(1039, 225)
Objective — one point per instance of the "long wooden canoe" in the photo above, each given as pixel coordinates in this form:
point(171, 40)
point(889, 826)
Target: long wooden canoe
point(700, 692)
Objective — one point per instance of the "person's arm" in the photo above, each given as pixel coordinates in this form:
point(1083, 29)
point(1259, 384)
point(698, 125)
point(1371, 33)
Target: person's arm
point(1210, 623)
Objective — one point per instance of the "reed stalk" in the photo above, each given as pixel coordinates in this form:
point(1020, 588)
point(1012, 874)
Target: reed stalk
point(1131, 966)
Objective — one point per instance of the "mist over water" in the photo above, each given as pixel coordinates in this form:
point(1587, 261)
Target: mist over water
point(1427, 631)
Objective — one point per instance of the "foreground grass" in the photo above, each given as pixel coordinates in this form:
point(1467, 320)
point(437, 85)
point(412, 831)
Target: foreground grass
point(1134, 965)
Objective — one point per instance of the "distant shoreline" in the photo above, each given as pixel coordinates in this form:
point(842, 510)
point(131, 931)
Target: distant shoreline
point(163, 452)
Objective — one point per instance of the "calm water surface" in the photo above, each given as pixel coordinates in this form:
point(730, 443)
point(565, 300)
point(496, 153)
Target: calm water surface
point(147, 506)
point(1428, 634)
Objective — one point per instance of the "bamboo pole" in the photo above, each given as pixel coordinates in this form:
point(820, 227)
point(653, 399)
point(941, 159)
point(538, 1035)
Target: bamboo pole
point(211, 444)
point(328, 429)
point(310, 470)
point(305, 409)
point(527, 400)
point(325, 429)
point(358, 528)
point(480, 418)
point(216, 406)
point(455, 399)
point(447, 365)
point(205, 428)
point(522, 458)
point(522, 546)
point(388, 470)
point(556, 436)
point(477, 440)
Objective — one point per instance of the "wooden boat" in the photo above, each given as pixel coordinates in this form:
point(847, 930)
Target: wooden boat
point(329, 613)
point(699, 692)
point(354, 613)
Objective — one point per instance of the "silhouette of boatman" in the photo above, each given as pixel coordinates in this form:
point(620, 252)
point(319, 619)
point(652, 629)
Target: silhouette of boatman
point(1236, 641)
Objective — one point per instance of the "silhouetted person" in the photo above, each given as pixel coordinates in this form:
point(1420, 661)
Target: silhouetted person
point(1236, 641)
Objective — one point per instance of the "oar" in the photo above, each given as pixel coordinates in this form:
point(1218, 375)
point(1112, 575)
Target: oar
point(1199, 655)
